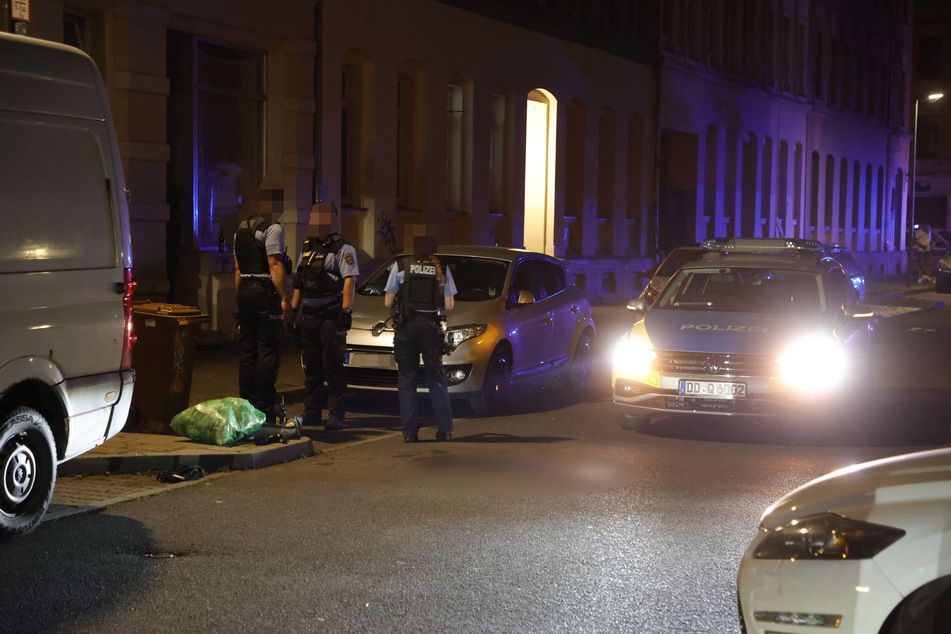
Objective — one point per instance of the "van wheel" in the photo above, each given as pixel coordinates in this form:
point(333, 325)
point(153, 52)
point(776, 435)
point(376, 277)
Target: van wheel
point(582, 365)
point(495, 384)
point(28, 469)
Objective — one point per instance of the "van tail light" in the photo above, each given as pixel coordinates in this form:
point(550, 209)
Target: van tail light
point(128, 338)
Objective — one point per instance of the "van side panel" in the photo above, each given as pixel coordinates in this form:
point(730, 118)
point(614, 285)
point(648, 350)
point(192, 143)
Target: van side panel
point(64, 244)
point(56, 206)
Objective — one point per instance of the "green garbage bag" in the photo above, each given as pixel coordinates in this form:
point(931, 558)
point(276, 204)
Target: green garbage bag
point(222, 421)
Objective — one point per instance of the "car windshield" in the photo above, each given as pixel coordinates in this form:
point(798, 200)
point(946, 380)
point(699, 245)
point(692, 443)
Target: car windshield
point(477, 279)
point(753, 290)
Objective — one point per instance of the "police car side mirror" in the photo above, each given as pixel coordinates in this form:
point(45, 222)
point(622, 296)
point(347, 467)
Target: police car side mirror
point(525, 297)
point(638, 304)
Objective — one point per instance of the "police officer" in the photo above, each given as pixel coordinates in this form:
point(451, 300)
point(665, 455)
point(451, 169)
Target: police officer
point(261, 293)
point(419, 288)
point(324, 289)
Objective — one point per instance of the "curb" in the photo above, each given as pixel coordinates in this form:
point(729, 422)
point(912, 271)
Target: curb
point(253, 458)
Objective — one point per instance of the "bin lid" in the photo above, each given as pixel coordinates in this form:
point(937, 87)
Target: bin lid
point(171, 310)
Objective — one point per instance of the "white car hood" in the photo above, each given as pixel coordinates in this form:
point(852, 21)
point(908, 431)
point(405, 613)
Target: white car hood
point(855, 491)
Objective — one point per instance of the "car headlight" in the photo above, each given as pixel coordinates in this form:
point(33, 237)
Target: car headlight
point(827, 536)
point(456, 335)
point(814, 363)
point(632, 357)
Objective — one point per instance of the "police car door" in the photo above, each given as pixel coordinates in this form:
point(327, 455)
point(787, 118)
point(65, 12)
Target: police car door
point(842, 297)
point(532, 340)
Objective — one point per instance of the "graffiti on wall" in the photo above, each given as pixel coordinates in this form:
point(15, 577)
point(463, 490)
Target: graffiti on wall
point(386, 230)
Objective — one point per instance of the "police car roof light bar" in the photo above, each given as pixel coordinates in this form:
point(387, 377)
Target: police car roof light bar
point(761, 245)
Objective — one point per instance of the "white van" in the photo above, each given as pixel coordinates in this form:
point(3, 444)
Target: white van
point(65, 272)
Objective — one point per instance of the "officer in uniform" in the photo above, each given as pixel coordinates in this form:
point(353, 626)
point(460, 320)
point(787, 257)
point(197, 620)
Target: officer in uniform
point(261, 294)
point(418, 289)
point(324, 289)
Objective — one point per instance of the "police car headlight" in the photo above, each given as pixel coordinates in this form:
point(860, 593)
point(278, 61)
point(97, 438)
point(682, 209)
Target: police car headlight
point(632, 357)
point(815, 363)
point(455, 336)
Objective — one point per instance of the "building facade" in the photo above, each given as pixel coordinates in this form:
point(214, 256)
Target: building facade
point(604, 132)
point(931, 77)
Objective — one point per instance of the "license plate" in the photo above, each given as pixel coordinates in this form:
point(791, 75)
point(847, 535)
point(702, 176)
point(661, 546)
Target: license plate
point(346, 358)
point(712, 389)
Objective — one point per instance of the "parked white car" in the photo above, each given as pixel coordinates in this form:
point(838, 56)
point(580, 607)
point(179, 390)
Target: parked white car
point(864, 550)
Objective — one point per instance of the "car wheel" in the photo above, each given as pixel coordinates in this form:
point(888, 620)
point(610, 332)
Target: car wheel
point(582, 365)
point(942, 285)
point(927, 609)
point(28, 469)
point(498, 376)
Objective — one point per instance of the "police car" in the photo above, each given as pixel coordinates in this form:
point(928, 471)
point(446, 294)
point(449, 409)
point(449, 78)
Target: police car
point(518, 316)
point(756, 327)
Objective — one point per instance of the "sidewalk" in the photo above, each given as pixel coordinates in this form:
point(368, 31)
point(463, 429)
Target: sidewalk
point(215, 376)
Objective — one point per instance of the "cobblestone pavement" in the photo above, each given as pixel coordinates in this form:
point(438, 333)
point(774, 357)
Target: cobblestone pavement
point(80, 494)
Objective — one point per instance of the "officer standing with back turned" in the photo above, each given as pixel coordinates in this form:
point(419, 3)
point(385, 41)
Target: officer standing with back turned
point(261, 294)
point(418, 289)
point(324, 289)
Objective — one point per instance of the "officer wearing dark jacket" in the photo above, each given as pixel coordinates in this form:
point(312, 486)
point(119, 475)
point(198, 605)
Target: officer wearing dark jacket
point(324, 289)
point(419, 288)
point(261, 294)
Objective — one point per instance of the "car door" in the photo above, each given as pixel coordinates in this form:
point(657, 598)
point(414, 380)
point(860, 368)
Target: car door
point(532, 333)
point(561, 308)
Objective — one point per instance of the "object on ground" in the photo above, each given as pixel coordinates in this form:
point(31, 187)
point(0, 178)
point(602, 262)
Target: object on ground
point(222, 421)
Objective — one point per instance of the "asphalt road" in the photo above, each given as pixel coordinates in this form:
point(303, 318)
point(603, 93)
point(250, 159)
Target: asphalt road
point(552, 520)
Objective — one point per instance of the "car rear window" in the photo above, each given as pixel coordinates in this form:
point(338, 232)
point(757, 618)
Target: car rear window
point(755, 290)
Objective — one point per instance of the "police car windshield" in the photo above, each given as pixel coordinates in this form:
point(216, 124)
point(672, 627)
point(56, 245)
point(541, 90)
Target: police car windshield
point(749, 290)
point(477, 279)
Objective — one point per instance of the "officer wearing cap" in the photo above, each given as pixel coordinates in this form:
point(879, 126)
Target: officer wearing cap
point(419, 288)
point(324, 289)
point(261, 294)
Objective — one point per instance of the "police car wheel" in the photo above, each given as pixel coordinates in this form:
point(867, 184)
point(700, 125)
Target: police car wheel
point(581, 367)
point(495, 384)
point(27, 469)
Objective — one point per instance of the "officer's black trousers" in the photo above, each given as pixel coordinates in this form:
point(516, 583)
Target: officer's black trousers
point(262, 334)
point(421, 337)
point(322, 351)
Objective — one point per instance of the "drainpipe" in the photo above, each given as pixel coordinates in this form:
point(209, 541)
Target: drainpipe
point(653, 231)
point(318, 194)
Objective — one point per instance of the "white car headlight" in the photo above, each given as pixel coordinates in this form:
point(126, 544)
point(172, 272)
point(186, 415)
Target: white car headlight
point(814, 363)
point(632, 357)
point(456, 335)
point(827, 536)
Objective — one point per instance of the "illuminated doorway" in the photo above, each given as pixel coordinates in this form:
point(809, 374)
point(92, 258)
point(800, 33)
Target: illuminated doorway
point(540, 125)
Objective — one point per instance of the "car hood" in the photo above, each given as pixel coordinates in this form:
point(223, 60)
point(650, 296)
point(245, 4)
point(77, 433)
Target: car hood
point(369, 311)
point(855, 491)
point(728, 333)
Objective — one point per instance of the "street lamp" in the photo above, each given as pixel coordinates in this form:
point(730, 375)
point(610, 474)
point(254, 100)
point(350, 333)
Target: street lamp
point(933, 97)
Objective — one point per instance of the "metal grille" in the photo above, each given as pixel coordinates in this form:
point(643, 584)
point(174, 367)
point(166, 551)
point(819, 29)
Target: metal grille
point(709, 364)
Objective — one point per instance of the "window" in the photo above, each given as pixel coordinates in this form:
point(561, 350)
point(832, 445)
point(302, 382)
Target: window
point(406, 141)
point(454, 146)
point(929, 57)
point(229, 140)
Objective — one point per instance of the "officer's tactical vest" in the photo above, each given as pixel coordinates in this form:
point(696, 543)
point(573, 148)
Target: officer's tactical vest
point(252, 255)
point(312, 277)
point(420, 290)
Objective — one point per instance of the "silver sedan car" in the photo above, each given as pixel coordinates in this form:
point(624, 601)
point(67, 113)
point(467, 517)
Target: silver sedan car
point(517, 316)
